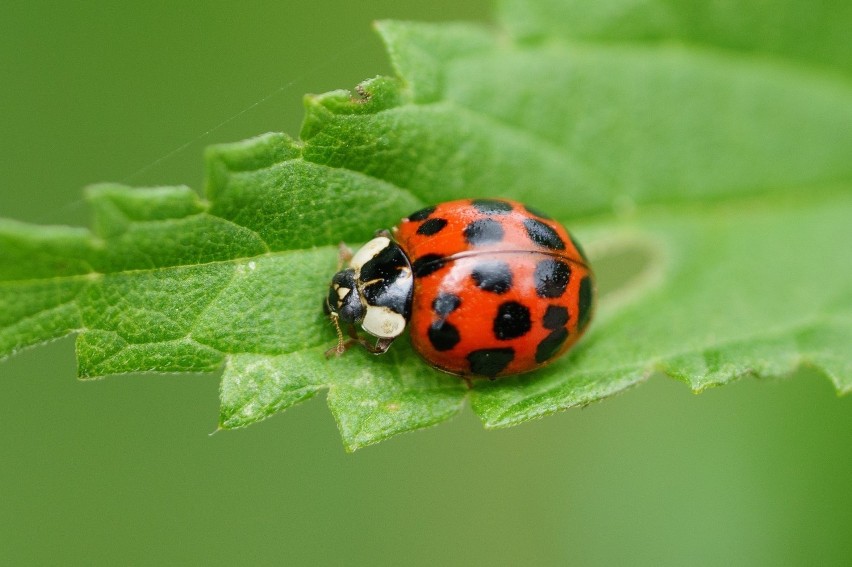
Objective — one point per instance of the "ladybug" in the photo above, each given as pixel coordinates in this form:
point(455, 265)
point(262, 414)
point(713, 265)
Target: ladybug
point(488, 287)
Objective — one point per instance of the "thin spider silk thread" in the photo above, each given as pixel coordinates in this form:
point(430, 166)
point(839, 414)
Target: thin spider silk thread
point(181, 148)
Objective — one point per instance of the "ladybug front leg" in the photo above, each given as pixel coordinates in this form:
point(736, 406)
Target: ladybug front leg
point(342, 346)
point(380, 347)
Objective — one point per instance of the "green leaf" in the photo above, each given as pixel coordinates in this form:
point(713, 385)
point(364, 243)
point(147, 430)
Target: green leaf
point(812, 33)
point(700, 154)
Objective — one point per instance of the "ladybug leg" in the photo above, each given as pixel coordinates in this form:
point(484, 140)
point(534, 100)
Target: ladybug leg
point(344, 254)
point(383, 232)
point(336, 350)
point(380, 347)
point(340, 348)
point(343, 345)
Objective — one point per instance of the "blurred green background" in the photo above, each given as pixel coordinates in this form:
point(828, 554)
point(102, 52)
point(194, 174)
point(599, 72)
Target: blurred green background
point(123, 471)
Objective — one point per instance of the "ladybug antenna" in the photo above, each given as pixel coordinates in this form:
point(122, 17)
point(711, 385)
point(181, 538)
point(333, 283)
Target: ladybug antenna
point(339, 349)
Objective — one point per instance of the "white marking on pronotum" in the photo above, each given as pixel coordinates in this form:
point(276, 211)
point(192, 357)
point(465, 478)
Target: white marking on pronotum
point(383, 322)
point(343, 292)
point(369, 251)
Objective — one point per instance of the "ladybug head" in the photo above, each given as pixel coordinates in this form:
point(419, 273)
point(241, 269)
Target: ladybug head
point(343, 301)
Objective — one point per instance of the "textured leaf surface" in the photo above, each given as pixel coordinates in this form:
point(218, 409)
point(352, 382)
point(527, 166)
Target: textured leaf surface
point(705, 167)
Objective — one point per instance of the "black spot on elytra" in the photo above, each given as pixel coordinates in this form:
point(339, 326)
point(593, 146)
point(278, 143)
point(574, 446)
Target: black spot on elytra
point(579, 248)
point(543, 235)
point(491, 206)
point(536, 212)
point(422, 214)
point(555, 317)
point(443, 335)
point(551, 278)
point(585, 302)
point(550, 344)
point(427, 264)
point(432, 226)
point(490, 361)
point(483, 231)
point(445, 304)
point(512, 321)
point(495, 277)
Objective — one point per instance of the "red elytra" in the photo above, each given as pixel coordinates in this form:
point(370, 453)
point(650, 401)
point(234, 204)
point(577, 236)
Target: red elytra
point(495, 288)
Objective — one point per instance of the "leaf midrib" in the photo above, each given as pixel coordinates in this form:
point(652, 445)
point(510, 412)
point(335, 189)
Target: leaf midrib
point(791, 196)
point(93, 277)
